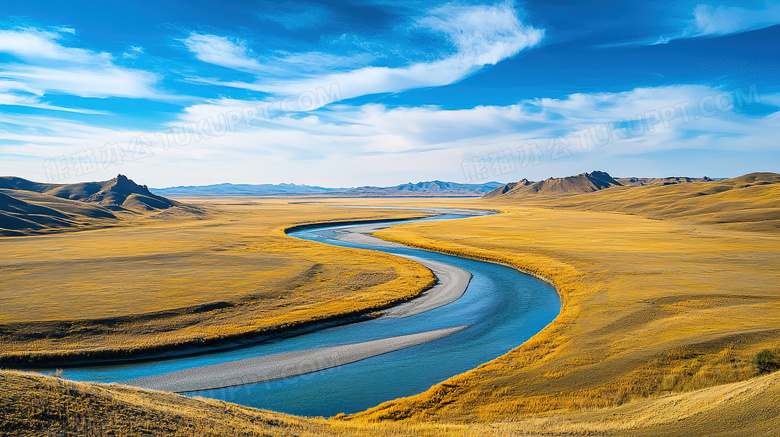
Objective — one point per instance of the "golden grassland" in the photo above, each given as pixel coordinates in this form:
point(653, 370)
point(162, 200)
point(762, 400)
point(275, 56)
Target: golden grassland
point(748, 203)
point(152, 285)
point(651, 306)
point(664, 307)
point(36, 405)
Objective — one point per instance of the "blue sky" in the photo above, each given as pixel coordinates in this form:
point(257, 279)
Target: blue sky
point(341, 93)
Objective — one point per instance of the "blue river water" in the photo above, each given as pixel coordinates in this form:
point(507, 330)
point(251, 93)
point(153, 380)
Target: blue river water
point(503, 307)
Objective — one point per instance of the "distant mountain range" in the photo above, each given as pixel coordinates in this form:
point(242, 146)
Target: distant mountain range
point(582, 183)
point(243, 190)
point(425, 189)
point(420, 189)
point(640, 182)
point(32, 207)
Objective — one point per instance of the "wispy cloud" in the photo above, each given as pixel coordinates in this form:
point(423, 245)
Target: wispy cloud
point(477, 35)
point(222, 51)
point(36, 44)
point(133, 52)
point(347, 144)
point(108, 81)
point(45, 65)
point(723, 20)
point(30, 101)
point(481, 35)
point(709, 21)
point(234, 53)
point(712, 21)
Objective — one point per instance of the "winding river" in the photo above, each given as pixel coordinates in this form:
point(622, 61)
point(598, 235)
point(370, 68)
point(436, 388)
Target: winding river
point(501, 306)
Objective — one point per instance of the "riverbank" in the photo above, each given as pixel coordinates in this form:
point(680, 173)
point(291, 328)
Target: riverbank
point(281, 366)
point(651, 307)
point(36, 405)
point(451, 282)
point(231, 276)
point(504, 308)
point(659, 313)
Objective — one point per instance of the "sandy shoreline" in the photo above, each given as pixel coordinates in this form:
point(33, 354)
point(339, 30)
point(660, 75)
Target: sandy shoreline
point(451, 281)
point(451, 284)
point(280, 366)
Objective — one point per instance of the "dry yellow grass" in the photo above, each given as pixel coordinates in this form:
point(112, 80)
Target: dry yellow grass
point(660, 319)
point(748, 202)
point(155, 284)
point(35, 405)
point(650, 306)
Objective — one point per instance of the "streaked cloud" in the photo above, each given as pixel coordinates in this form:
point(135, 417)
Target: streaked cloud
point(345, 144)
point(481, 35)
point(133, 52)
point(533, 75)
point(36, 44)
point(711, 21)
point(222, 51)
point(725, 20)
point(477, 36)
point(47, 66)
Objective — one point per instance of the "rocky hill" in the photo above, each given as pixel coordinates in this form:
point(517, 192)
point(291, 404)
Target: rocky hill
point(32, 207)
point(584, 183)
point(581, 183)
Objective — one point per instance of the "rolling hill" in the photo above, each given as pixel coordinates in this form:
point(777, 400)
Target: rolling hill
point(660, 321)
point(581, 183)
point(115, 194)
point(748, 202)
point(28, 207)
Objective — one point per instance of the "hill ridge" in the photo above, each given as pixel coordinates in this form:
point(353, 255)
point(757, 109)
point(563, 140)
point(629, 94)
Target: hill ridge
point(33, 207)
point(409, 189)
point(585, 183)
point(581, 183)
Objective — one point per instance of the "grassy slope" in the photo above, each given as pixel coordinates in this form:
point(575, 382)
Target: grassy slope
point(748, 203)
point(162, 282)
point(650, 306)
point(32, 208)
point(26, 212)
point(35, 405)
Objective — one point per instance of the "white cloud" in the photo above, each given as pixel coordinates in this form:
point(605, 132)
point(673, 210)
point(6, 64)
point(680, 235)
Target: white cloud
point(222, 51)
point(108, 81)
point(20, 94)
point(479, 35)
point(47, 66)
point(712, 21)
point(723, 20)
point(133, 52)
point(35, 44)
point(32, 102)
point(373, 144)
point(235, 53)
point(350, 145)
point(9, 85)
